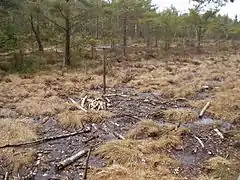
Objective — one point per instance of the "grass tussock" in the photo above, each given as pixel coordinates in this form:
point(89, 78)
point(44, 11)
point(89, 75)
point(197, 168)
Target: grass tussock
point(120, 151)
point(221, 168)
point(141, 155)
point(77, 119)
point(119, 172)
point(180, 115)
point(140, 140)
point(225, 105)
point(14, 131)
point(145, 129)
point(35, 106)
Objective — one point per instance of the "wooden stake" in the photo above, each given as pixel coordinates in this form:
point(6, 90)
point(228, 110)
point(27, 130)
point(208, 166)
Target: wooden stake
point(104, 71)
point(86, 164)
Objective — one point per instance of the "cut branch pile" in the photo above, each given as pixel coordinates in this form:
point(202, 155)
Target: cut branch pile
point(91, 104)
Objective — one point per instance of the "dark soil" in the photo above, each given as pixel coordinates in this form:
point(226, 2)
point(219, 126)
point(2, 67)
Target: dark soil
point(128, 110)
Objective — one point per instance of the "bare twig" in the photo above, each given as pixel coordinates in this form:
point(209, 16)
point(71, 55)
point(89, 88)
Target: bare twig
point(46, 139)
point(116, 124)
point(204, 109)
point(86, 164)
point(89, 139)
point(6, 176)
point(119, 136)
point(121, 95)
point(71, 159)
point(54, 22)
point(199, 140)
point(219, 133)
point(77, 105)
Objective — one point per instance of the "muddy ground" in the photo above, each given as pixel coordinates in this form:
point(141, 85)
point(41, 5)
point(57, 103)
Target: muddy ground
point(128, 111)
point(129, 106)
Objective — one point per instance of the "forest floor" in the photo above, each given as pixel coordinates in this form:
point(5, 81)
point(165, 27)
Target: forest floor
point(151, 128)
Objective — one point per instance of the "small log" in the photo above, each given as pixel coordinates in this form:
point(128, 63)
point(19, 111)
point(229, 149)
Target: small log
point(204, 109)
point(119, 136)
point(71, 159)
point(77, 105)
point(86, 164)
point(200, 141)
point(219, 133)
point(46, 139)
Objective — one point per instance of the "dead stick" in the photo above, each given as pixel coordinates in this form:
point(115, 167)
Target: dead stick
point(219, 133)
point(86, 164)
point(71, 159)
point(200, 141)
point(77, 105)
point(46, 139)
point(6, 176)
point(90, 139)
point(204, 109)
point(119, 136)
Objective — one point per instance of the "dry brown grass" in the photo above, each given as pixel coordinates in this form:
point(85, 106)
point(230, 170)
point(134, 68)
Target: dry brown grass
point(14, 131)
point(180, 115)
point(121, 152)
point(35, 106)
point(221, 168)
point(118, 172)
point(77, 119)
point(142, 155)
point(225, 104)
point(188, 79)
point(146, 138)
point(145, 129)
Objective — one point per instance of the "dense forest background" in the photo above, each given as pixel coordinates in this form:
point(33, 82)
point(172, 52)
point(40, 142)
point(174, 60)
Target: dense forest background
point(73, 29)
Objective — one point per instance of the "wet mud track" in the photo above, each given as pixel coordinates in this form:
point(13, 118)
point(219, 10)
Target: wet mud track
point(128, 109)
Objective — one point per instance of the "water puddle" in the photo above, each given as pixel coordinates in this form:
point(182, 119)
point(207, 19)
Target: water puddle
point(205, 121)
point(186, 159)
point(209, 121)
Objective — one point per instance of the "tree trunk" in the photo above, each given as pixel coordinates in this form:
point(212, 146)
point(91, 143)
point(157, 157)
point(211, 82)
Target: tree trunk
point(156, 43)
point(124, 35)
point(198, 39)
point(36, 32)
point(67, 37)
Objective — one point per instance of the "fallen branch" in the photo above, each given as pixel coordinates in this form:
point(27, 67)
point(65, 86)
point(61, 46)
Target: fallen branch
point(121, 95)
point(71, 159)
point(89, 139)
point(219, 133)
point(86, 164)
point(116, 124)
point(119, 136)
point(77, 105)
point(204, 109)
point(200, 141)
point(46, 139)
point(6, 176)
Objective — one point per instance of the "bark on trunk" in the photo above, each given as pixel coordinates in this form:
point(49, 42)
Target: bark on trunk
point(198, 39)
point(67, 38)
point(36, 31)
point(124, 35)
